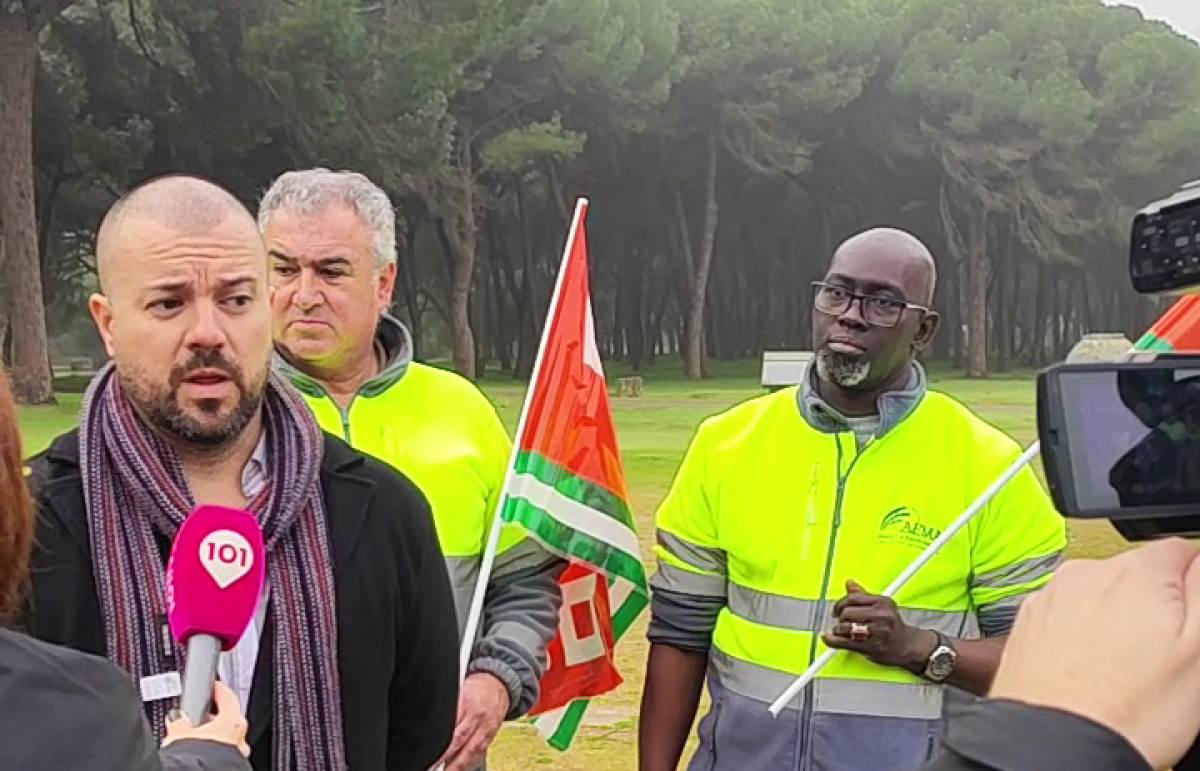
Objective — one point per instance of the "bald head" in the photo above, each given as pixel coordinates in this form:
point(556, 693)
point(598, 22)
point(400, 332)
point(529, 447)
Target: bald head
point(183, 205)
point(894, 255)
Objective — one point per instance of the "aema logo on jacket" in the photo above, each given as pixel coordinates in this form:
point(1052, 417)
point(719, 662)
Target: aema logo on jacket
point(903, 525)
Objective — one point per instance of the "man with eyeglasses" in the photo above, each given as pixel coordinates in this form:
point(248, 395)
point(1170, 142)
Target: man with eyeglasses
point(792, 512)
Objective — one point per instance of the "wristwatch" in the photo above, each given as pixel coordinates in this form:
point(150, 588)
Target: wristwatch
point(941, 662)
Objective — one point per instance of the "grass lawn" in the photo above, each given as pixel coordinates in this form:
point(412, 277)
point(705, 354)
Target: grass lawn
point(653, 432)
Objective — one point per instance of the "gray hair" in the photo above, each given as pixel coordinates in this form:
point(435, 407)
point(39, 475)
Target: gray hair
point(311, 190)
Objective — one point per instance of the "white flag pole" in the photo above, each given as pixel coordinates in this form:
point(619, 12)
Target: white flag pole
point(918, 563)
point(489, 554)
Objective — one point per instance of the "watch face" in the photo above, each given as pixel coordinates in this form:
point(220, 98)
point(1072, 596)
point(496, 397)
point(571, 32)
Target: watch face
point(941, 663)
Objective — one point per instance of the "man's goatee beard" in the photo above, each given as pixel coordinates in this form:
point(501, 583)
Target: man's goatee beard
point(841, 369)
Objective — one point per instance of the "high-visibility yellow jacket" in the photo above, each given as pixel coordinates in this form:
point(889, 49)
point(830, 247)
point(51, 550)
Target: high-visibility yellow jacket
point(438, 429)
point(767, 519)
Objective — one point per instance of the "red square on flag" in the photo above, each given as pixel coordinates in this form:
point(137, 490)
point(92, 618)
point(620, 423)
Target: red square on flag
point(581, 616)
point(581, 653)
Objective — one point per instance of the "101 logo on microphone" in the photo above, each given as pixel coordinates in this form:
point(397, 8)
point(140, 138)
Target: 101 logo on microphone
point(227, 556)
point(215, 574)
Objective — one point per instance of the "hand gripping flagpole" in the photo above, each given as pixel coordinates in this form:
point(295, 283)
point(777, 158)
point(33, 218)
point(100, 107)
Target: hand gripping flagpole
point(917, 564)
point(933, 548)
point(489, 554)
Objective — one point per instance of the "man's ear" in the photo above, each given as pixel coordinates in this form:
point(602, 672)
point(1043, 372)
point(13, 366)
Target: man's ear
point(926, 331)
point(101, 311)
point(386, 285)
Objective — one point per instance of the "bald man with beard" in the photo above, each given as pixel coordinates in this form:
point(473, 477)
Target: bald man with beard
point(792, 512)
point(350, 661)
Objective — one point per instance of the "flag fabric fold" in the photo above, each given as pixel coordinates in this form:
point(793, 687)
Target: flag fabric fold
point(566, 488)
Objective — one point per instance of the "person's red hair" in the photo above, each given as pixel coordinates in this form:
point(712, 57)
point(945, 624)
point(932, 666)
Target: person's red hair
point(16, 510)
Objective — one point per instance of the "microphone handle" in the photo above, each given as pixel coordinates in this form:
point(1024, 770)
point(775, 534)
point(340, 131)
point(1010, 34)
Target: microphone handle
point(199, 675)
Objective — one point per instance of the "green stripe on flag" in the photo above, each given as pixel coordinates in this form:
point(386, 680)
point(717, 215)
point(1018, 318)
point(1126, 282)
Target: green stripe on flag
point(625, 615)
point(560, 726)
point(568, 540)
point(573, 486)
point(570, 717)
point(564, 733)
point(1151, 342)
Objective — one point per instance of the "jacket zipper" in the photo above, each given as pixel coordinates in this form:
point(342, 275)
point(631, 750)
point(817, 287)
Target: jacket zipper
point(343, 414)
point(810, 693)
point(810, 514)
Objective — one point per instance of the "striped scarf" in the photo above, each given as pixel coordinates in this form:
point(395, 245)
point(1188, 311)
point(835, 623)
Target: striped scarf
point(134, 487)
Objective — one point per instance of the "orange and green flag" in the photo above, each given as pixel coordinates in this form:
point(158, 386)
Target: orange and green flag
point(567, 489)
point(1176, 330)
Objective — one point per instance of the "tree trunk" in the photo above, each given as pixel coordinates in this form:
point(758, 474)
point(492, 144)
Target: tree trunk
point(460, 234)
point(1040, 329)
point(500, 330)
point(1062, 319)
point(1016, 330)
point(972, 249)
point(406, 280)
point(681, 247)
point(3, 324)
point(529, 318)
point(630, 291)
point(479, 305)
point(656, 326)
point(30, 372)
point(694, 364)
point(977, 280)
point(1086, 314)
point(998, 309)
point(461, 335)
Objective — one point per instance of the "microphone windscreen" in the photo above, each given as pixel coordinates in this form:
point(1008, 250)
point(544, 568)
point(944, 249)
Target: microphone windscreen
point(215, 574)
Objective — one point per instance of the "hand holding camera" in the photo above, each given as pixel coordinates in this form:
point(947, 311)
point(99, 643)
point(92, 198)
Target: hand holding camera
point(1116, 641)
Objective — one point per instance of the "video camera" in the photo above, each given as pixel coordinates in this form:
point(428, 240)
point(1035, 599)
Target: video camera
point(1121, 440)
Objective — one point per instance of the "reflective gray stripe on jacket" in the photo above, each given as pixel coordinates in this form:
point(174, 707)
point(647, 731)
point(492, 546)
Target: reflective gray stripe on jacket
point(856, 725)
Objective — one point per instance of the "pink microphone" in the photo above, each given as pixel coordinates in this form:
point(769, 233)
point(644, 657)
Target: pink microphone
point(214, 578)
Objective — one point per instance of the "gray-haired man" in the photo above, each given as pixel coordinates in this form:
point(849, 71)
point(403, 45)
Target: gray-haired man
point(331, 237)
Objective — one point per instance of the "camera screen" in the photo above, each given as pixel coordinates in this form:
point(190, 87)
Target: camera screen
point(1134, 437)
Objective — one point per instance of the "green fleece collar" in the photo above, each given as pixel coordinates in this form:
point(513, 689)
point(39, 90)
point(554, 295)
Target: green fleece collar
point(391, 337)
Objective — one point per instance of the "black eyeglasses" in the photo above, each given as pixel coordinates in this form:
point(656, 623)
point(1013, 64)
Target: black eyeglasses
point(876, 310)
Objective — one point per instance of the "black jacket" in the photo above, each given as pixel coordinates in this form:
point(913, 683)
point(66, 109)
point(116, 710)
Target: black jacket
point(397, 633)
point(67, 710)
point(995, 735)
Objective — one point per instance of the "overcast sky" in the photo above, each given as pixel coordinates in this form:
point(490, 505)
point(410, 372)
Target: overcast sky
point(1184, 15)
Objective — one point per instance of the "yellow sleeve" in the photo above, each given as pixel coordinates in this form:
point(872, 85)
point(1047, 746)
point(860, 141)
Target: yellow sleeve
point(689, 556)
point(496, 452)
point(1017, 545)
